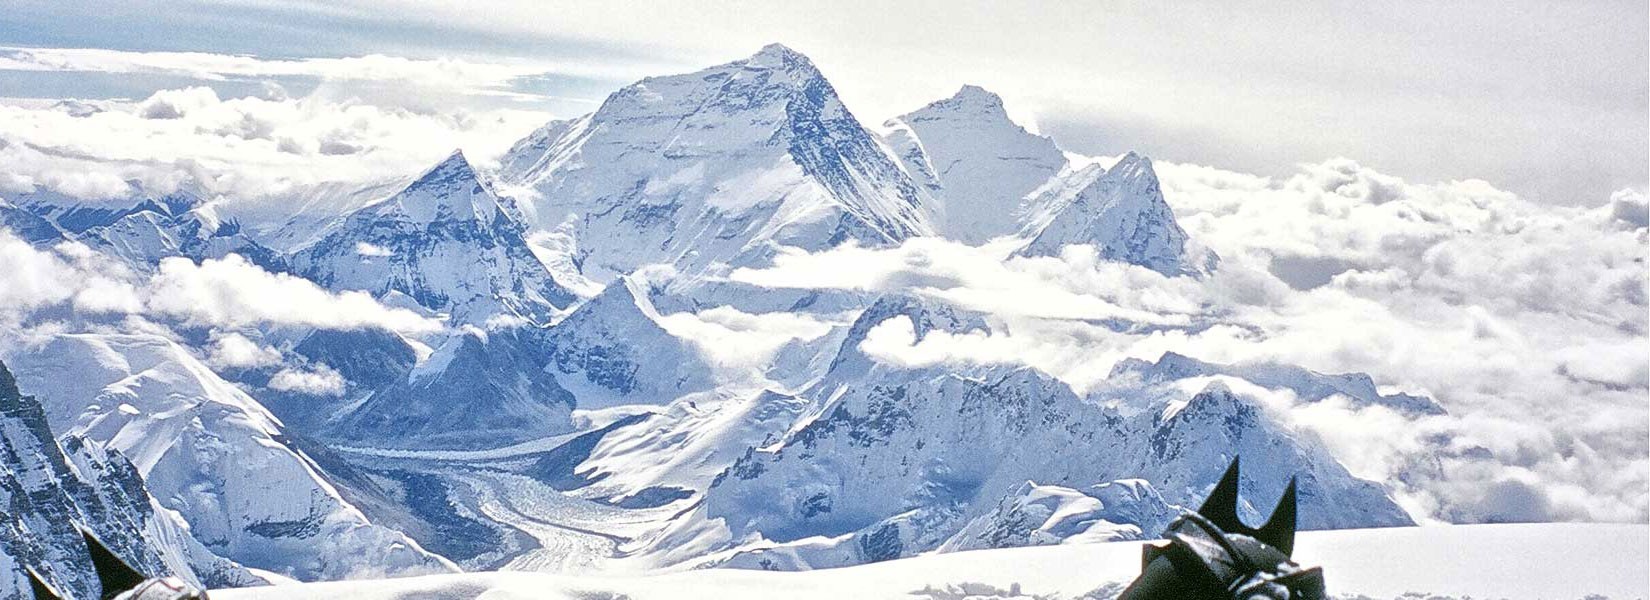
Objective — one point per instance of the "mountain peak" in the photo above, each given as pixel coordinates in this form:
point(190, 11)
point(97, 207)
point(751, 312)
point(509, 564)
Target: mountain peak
point(971, 104)
point(449, 189)
point(454, 167)
point(778, 51)
point(1133, 166)
point(1124, 216)
point(976, 95)
point(981, 160)
point(697, 169)
point(780, 58)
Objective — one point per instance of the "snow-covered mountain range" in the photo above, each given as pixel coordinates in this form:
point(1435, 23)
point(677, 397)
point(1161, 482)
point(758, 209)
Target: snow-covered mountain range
point(603, 389)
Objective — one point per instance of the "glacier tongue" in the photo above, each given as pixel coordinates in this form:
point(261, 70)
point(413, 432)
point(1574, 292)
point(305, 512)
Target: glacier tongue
point(717, 166)
point(579, 400)
point(981, 162)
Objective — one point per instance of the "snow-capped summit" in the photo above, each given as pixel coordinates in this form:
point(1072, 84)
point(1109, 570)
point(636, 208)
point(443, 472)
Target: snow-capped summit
point(446, 241)
point(450, 190)
point(890, 460)
point(1123, 215)
point(780, 55)
point(717, 166)
point(76, 215)
point(979, 161)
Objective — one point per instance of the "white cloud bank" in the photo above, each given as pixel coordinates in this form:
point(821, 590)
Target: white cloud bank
point(320, 380)
point(222, 293)
point(1528, 323)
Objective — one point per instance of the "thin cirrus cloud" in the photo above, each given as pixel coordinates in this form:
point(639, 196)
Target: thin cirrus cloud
point(477, 78)
point(1546, 100)
point(249, 149)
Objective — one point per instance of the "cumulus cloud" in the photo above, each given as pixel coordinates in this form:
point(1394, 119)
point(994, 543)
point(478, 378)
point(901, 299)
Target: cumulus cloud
point(734, 339)
point(317, 380)
point(68, 273)
point(366, 249)
point(236, 350)
point(1527, 322)
point(233, 292)
point(226, 293)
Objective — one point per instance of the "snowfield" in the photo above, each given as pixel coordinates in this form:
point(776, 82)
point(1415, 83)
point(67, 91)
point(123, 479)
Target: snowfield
point(1524, 561)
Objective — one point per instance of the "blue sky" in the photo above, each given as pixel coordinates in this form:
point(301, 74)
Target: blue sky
point(1547, 101)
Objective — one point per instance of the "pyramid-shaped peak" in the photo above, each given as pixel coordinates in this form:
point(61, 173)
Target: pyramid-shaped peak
point(971, 101)
point(975, 95)
point(777, 54)
point(455, 165)
point(781, 58)
point(1132, 165)
point(451, 188)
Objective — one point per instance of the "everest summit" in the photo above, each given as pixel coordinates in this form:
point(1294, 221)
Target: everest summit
point(718, 166)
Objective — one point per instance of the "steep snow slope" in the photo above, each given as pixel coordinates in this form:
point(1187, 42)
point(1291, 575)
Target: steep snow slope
point(981, 163)
point(209, 452)
point(49, 489)
point(892, 461)
point(716, 166)
point(29, 227)
point(1516, 562)
point(478, 389)
point(614, 350)
point(1122, 214)
point(447, 242)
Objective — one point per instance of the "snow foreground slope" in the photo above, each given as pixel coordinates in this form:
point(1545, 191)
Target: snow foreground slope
point(1515, 562)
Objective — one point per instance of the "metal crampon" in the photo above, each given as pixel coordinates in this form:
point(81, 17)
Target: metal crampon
point(1212, 555)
